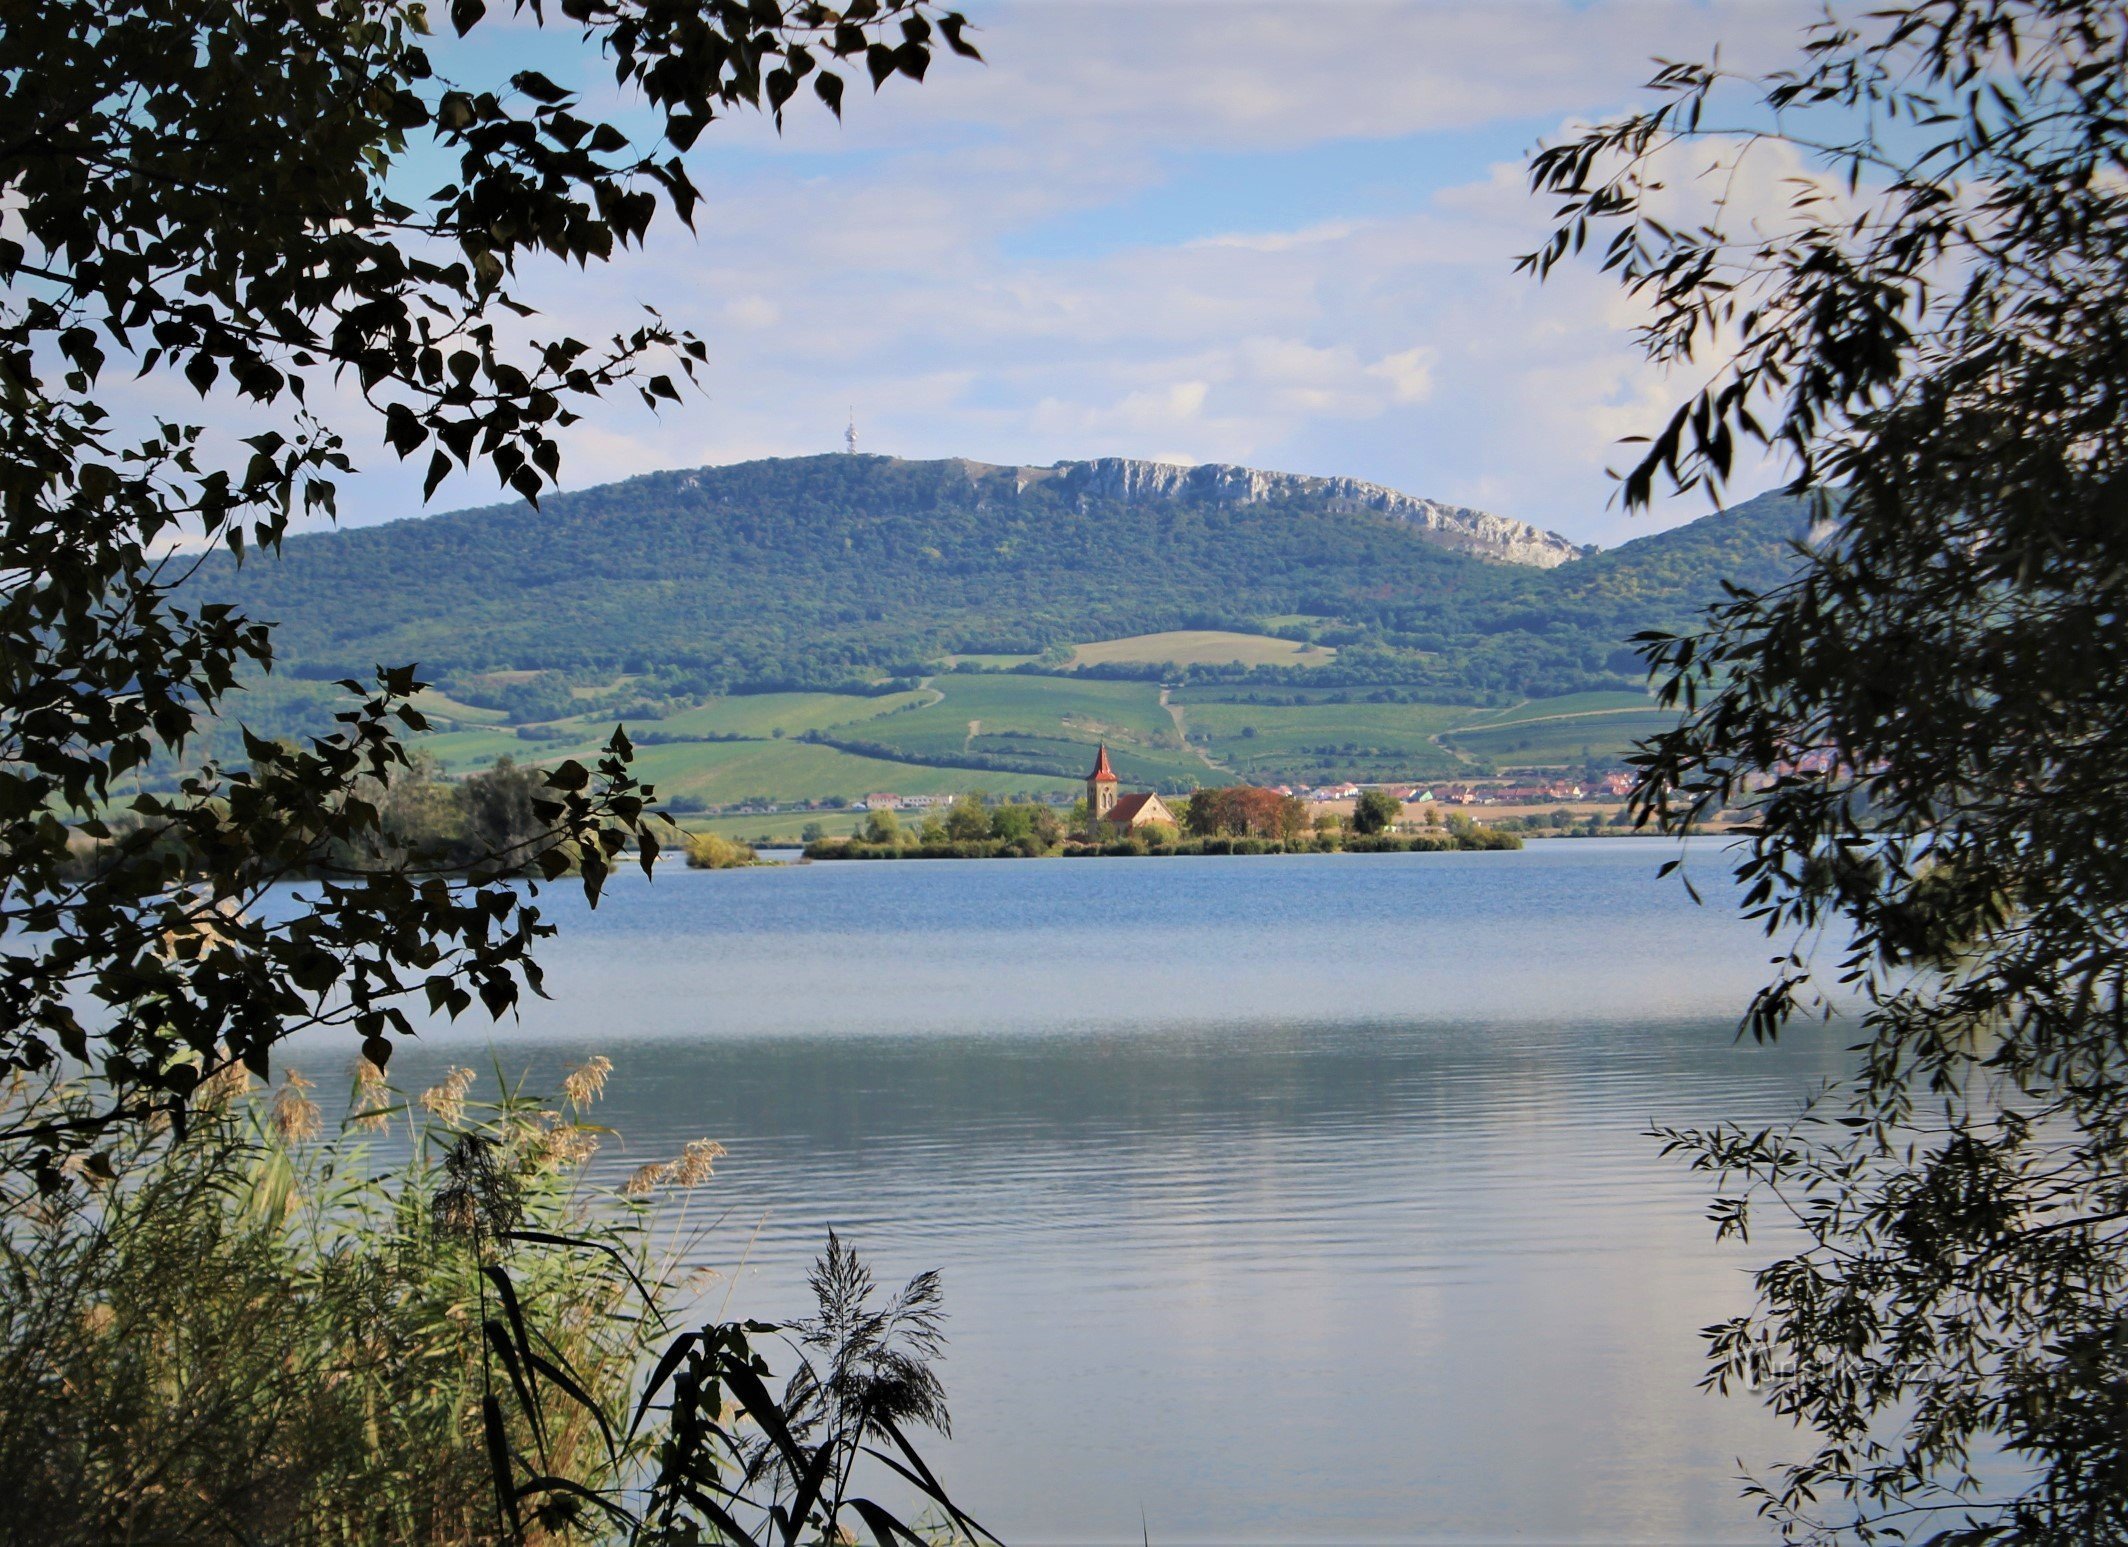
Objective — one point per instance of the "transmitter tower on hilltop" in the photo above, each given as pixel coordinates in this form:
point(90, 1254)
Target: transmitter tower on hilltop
point(849, 435)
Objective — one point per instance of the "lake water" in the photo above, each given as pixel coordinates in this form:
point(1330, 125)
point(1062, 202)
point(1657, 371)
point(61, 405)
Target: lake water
point(1283, 1199)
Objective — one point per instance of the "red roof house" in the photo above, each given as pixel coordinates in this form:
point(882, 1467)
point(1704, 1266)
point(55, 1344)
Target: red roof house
point(1131, 811)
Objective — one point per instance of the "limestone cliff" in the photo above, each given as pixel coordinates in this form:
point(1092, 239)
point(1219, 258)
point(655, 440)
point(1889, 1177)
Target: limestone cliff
point(1457, 527)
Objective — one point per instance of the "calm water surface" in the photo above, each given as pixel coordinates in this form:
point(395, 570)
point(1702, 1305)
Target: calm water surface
point(1278, 1200)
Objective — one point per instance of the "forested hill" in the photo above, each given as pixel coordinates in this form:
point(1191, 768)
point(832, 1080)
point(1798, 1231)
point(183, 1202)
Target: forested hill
point(830, 569)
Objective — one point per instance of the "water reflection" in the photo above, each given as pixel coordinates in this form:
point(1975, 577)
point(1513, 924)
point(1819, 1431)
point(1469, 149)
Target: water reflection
point(1287, 1200)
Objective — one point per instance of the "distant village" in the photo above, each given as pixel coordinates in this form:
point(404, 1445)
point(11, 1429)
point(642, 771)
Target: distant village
point(1614, 785)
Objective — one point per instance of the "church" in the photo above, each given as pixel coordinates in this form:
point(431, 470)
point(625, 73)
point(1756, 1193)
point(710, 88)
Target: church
point(1120, 813)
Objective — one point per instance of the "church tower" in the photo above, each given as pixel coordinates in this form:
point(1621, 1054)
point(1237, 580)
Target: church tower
point(1100, 788)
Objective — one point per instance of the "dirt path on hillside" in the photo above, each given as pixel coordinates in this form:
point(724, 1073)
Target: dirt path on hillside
point(1453, 755)
point(1182, 730)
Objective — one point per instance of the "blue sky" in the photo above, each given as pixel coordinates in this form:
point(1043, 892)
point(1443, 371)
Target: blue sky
point(1278, 234)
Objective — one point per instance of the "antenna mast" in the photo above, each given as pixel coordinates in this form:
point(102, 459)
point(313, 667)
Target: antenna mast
point(849, 436)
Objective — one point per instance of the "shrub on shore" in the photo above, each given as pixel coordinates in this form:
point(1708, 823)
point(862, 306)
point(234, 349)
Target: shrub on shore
point(713, 851)
point(1411, 843)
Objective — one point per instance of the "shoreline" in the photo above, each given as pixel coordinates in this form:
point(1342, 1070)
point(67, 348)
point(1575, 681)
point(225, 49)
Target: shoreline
point(854, 849)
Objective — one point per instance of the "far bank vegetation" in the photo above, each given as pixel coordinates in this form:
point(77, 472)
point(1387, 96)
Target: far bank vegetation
point(1232, 819)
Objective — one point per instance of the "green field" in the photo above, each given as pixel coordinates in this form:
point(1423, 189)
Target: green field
point(723, 772)
point(1044, 704)
point(757, 717)
point(1276, 742)
point(764, 714)
point(785, 768)
point(1202, 647)
point(1563, 739)
point(777, 827)
point(1044, 730)
point(591, 690)
point(1050, 723)
point(1553, 708)
point(468, 751)
point(439, 707)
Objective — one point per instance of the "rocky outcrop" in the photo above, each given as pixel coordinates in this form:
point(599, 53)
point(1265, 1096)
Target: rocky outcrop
point(1457, 527)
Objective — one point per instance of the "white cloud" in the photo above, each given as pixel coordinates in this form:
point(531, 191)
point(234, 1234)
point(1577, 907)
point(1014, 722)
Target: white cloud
point(753, 311)
point(1280, 241)
point(1410, 374)
point(1268, 75)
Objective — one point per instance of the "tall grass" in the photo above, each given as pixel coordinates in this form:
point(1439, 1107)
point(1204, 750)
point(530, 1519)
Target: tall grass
point(250, 1333)
point(422, 1327)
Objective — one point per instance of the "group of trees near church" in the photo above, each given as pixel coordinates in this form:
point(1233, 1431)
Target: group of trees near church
point(1226, 820)
point(1246, 811)
point(970, 828)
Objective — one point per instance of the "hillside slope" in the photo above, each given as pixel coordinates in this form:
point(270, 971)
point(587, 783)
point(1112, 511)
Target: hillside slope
point(815, 630)
point(822, 570)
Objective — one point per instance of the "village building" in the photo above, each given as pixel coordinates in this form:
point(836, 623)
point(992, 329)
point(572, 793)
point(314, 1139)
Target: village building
point(1105, 807)
point(886, 801)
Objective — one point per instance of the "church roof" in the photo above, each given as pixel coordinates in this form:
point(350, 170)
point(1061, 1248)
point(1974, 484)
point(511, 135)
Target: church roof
point(1126, 810)
point(1101, 768)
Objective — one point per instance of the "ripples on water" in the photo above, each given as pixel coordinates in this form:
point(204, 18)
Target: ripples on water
point(1285, 1199)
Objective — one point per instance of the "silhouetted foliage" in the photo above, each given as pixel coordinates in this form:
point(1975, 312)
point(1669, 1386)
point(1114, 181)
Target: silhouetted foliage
point(1927, 721)
point(212, 194)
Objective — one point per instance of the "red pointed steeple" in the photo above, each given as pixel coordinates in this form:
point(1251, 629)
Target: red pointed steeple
point(1102, 774)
